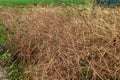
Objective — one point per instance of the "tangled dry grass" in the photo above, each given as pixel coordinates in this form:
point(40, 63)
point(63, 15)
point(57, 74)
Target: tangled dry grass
point(61, 45)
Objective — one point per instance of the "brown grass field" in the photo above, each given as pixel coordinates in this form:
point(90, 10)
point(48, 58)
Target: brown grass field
point(64, 43)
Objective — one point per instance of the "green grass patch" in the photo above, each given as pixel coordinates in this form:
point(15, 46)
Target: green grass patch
point(15, 70)
point(26, 2)
point(14, 66)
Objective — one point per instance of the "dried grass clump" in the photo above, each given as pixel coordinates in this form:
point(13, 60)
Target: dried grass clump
point(63, 46)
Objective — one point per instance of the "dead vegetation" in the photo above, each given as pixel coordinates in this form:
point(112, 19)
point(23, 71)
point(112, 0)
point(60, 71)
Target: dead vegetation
point(60, 45)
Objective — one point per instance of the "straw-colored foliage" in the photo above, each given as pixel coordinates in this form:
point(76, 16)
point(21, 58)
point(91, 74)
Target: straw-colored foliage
point(61, 44)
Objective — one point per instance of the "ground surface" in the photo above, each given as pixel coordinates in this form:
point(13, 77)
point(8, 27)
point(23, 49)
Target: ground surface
point(2, 73)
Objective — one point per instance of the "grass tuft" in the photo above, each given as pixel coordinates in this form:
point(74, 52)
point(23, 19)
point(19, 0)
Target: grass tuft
point(61, 44)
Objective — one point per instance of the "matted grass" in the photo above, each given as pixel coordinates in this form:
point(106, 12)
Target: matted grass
point(62, 44)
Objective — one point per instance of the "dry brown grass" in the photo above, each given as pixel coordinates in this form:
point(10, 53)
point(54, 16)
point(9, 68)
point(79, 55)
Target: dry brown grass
point(61, 45)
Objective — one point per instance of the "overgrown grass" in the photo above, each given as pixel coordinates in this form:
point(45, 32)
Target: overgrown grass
point(64, 43)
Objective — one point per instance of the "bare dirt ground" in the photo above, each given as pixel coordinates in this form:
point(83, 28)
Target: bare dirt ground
point(2, 73)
